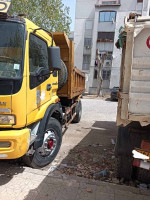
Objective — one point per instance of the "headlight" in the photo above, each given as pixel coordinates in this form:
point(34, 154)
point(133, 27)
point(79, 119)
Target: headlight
point(7, 120)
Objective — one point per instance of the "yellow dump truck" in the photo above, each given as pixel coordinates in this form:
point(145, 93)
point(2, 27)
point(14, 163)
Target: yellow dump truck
point(40, 89)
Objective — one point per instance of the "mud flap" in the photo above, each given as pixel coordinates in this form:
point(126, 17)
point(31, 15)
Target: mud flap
point(124, 145)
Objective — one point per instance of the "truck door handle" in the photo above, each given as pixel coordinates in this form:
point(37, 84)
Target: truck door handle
point(49, 87)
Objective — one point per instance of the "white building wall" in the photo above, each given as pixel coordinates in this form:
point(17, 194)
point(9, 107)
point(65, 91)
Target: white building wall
point(87, 25)
point(127, 6)
point(93, 49)
point(84, 11)
point(116, 62)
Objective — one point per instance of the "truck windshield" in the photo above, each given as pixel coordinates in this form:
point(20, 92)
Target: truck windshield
point(11, 49)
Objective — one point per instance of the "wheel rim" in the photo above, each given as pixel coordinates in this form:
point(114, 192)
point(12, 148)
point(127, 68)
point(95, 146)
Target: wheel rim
point(49, 144)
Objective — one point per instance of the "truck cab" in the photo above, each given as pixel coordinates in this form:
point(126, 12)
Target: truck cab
point(31, 114)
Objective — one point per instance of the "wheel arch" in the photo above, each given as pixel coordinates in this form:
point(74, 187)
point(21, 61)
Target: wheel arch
point(57, 115)
point(55, 111)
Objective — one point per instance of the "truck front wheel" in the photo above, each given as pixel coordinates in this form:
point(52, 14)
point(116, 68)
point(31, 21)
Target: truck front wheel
point(51, 145)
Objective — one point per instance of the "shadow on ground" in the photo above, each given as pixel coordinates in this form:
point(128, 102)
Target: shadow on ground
point(109, 99)
point(9, 168)
point(93, 154)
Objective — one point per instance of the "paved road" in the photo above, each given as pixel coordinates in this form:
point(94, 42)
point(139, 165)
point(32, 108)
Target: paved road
point(18, 182)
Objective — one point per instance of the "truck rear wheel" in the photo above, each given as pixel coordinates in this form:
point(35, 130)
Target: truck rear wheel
point(51, 145)
point(62, 75)
point(143, 175)
point(124, 167)
point(78, 112)
point(123, 153)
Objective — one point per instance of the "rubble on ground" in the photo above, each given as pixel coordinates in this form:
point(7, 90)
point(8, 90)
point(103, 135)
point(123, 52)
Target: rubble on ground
point(92, 162)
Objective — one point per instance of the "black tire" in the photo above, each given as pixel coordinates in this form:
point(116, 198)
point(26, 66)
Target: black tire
point(111, 98)
point(124, 167)
point(78, 111)
point(143, 175)
point(62, 75)
point(37, 160)
point(123, 153)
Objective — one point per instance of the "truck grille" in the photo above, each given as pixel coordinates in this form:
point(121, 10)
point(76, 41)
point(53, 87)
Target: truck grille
point(5, 144)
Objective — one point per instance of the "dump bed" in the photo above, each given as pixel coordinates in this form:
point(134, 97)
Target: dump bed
point(75, 84)
point(134, 95)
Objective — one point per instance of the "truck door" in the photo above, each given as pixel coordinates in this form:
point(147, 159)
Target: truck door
point(39, 88)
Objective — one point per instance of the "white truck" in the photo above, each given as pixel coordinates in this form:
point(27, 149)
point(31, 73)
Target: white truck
point(133, 115)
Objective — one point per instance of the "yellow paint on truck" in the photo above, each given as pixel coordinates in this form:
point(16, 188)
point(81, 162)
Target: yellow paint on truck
point(31, 116)
point(23, 105)
point(19, 143)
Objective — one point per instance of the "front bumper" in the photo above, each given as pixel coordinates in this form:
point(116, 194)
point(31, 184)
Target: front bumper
point(19, 142)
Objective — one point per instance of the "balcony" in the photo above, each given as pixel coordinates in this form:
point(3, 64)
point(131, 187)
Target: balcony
point(105, 37)
point(104, 3)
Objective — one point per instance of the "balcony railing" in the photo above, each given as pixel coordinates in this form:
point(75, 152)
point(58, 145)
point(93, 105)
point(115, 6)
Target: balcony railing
point(107, 3)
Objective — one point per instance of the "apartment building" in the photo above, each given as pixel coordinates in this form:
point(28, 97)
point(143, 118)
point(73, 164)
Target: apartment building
point(97, 24)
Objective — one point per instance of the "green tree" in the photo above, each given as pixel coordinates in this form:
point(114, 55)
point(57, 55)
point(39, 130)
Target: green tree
point(49, 14)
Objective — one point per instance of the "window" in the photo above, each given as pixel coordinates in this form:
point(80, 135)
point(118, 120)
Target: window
point(86, 59)
point(38, 55)
point(86, 62)
point(108, 54)
point(139, 1)
point(106, 36)
point(107, 16)
point(109, 2)
point(87, 42)
point(38, 58)
point(106, 74)
point(95, 74)
point(11, 49)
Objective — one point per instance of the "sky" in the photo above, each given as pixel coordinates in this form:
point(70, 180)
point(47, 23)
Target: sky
point(71, 4)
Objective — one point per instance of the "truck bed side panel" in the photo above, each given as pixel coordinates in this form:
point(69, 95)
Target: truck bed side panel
point(134, 95)
point(139, 94)
point(75, 84)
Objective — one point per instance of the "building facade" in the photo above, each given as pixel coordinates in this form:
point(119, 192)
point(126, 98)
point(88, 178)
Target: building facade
point(97, 24)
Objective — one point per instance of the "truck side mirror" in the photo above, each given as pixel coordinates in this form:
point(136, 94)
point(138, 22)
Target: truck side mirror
point(54, 60)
